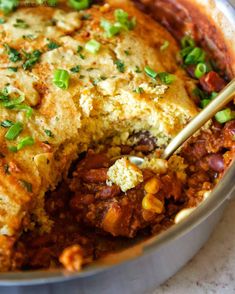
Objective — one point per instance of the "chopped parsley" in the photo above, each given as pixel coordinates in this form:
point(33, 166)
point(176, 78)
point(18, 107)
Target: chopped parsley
point(21, 24)
point(86, 16)
point(120, 65)
point(13, 54)
point(28, 186)
point(6, 123)
point(49, 133)
point(75, 69)
point(14, 69)
point(52, 45)
point(6, 169)
point(137, 69)
point(31, 59)
point(29, 37)
point(79, 49)
point(127, 52)
point(139, 90)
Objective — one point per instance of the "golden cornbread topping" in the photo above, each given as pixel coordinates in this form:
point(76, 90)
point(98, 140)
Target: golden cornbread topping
point(105, 78)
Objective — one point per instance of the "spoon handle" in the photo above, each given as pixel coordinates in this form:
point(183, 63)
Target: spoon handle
point(223, 98)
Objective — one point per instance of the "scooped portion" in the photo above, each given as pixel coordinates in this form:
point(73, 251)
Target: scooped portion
point(70, 80)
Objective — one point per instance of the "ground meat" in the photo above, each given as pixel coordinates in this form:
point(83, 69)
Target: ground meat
point(91, 218)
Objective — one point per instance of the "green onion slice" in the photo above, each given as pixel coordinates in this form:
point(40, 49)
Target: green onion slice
point(12, 103)
point(195, 56)
point(110, 29)
point(200, 70)
point(14, 131)
point(27, 108)
point(225, 115)
point(61, 79)
point(166, 78)
point(27, 141)
point(150, 72)
point(93, 46)
point(79, 4)
point(205, 102)
point(187, 41)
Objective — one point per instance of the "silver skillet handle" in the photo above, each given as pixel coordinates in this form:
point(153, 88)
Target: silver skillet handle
point(223, 98)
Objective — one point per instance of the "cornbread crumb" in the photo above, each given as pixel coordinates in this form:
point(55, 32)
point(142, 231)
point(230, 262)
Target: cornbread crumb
point(157, 165)
point(125, 174)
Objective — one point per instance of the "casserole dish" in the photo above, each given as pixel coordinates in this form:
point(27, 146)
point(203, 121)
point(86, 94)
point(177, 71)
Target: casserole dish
point(198, 216)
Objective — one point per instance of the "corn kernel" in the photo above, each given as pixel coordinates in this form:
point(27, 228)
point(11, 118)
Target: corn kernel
point(150, 202)
point(152, 186)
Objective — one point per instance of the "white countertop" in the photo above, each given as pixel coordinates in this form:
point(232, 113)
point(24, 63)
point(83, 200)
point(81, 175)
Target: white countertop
point(212, 270)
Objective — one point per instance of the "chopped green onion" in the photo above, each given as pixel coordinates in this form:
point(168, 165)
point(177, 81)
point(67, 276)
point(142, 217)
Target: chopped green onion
point(195, 56)
point(7, 6)
point(165, 45)
point(110, 29)
point(14, 131)
point(150, 72)
point(184, 52)
point(204, 103)
point(213, 95)
point(187, 41)
point(199, 93)
point(200, 70)
point(166, 78)
point(12, 103)
point(79, 4)
point(75, 69)
point(27, 141)
point(13, 54)
point(122, 18)
point(61, 79)
point(2, 20)
point(28, 186)
point(13, 149)
point(21, 24)
point(32, 59)
point(6, 123)
point(93, 46)
point(120, 65)
point(27, 108)
point(225, 115)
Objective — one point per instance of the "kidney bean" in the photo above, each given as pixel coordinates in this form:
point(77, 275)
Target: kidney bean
point(108, 192)
point(95, 175)
point(78, 201)
point(216, 162)
point(212, 82)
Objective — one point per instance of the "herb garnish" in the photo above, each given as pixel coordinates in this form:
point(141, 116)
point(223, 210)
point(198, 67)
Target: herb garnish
point(120, 65)
point(13, 54)
point(31, 59)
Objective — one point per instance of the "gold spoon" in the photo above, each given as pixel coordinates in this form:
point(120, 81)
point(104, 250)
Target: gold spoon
point(222, 99)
